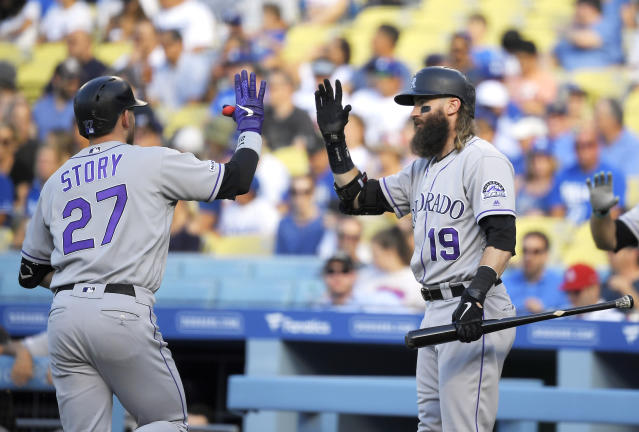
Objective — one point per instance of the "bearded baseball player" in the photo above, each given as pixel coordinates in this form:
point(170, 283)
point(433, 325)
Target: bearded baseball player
point(99, 239)
point(461, 197)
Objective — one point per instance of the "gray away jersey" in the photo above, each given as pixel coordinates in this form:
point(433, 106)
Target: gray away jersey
point(104, 216)
point(447, 199)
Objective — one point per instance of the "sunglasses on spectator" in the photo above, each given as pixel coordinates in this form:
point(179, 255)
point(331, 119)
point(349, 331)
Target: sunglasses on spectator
point(331, 271)
point(537, 251)
point(301, 191)
point(585, 144)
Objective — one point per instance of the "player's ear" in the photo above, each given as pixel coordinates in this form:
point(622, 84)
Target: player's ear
point(125, 119)
point(453, 106)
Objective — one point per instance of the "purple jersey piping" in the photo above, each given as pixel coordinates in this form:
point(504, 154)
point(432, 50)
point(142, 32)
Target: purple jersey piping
point(36, 258)
point(155, 330)
point(391, 197)
point(94, 154)
point(219, 172)
point(481, 372)
point(421, 252)
point(496, 210)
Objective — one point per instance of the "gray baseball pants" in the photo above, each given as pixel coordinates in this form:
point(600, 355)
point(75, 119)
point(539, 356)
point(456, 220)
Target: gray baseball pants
point(457, 383)
point(102, 343)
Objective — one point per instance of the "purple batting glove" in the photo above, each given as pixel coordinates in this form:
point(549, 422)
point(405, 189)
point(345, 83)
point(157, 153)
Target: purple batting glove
point(249, 106)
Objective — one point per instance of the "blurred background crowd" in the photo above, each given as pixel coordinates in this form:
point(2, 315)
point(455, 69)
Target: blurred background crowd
point(557, 91)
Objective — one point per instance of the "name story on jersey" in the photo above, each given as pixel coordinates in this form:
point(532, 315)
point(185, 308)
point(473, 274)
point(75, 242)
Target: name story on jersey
point(89, 171)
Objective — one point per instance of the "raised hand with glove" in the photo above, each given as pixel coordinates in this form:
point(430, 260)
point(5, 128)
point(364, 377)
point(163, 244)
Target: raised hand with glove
point(248, 111)
point(602, 197)
point(469, 314)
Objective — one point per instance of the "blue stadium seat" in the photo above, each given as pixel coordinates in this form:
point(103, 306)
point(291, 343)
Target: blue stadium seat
point(187, 291)
point(293, 267)
point(307, 292)
point(254, 293)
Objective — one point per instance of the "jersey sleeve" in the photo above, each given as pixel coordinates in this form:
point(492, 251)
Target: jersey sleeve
point(491, 187)
point(38, 242)
point(631, 220)
point(37, 345)
point(396, 189)
point(184, 177)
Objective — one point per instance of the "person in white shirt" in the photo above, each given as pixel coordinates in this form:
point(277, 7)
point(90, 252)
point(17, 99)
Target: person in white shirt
point(64, 17)
point(194, 20)
point(581, 284)
point(22, 28)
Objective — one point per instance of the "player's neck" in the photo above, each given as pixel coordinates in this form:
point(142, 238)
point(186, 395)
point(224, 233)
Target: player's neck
point(448, 149)
point(107, 138)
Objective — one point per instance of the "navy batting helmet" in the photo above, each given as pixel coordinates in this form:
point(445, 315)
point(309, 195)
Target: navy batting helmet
point(439, 81)
point(99, 103)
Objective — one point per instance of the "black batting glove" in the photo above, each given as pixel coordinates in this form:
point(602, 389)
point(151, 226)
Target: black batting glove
point(331, 117)
point(467, 318)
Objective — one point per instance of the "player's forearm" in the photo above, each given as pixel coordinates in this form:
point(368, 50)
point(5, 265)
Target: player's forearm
point(603, 232)
point(345, 178)
point(496, 259)
point(46, 281)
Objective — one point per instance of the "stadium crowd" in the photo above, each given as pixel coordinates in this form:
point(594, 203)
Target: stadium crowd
point(559, 109)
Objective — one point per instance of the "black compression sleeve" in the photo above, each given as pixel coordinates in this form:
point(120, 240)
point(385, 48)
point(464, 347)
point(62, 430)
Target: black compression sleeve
point(338, 156)
point(31, 274)
point(500, 232)
point(624, 236)
point(238, 174)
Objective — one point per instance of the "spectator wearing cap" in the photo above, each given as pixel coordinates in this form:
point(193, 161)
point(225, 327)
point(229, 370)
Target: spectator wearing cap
point(492, 96)
point(192, 19)
point(570, 198)
point(534, 287)
point(21, 28)
point(376, 105)
point(527, 131)
point(302, 228)
point(486, 122)
point(620, 146)
point(54, 110)
point(64, 17)
point(339, 274)
point(181, 79)
point(561, 136)
point(534, 87)
point(285, 124)
point(389, 272)
point(591, 41)
point(534, 193)
point(148, 129)
point(310, 75)
point(249, 215)
point(581, 284)
point(460, 57)
point(383, 46)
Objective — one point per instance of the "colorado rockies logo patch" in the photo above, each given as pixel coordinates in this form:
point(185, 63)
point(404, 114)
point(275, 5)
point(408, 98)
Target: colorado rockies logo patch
point(493, 189)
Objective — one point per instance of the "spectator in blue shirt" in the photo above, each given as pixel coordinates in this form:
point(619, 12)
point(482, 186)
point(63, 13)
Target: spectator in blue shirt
point(182, 78)
point(620, 146)
point(54, 110)
point(533, 197)
point(301, 230)
point(570, 198)
point(592, 41)
point(561, 137)
point(7, 141)
point(534, 287)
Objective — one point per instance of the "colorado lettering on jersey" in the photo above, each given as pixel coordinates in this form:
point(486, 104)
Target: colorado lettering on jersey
point(440, 203)
point(87, 172)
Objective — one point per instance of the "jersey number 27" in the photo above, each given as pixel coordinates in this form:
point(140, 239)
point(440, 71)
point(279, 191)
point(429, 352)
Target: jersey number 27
point(68, 245)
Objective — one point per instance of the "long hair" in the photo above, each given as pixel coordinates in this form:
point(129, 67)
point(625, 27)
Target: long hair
point(464, 126)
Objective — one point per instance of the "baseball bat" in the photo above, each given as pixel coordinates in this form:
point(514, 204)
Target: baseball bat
point(446, 333)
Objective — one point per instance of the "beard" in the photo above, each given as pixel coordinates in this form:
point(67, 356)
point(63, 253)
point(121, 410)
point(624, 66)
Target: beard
point(430, 138)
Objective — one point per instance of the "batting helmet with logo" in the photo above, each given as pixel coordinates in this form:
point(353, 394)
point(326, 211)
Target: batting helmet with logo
point(99, 103)
point(439, 81)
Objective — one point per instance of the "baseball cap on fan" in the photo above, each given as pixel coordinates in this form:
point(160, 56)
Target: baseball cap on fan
point(578, 277)
point(387, 67)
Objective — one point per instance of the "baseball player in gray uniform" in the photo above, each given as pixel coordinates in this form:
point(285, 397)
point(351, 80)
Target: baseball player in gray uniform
point(610, 234)
point(461, 197)
point(99, 239)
